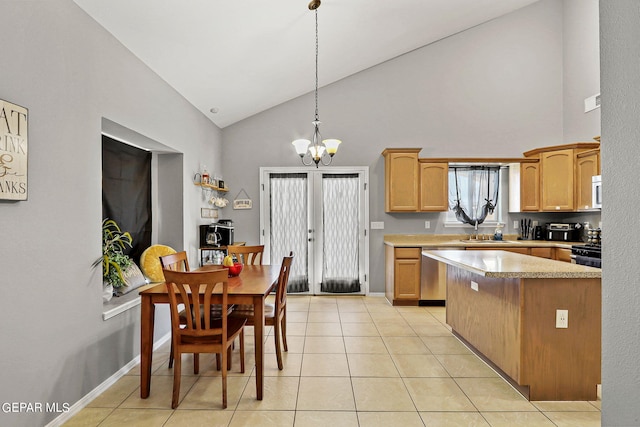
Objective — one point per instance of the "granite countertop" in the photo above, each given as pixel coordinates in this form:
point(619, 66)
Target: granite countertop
point(456, 241)
point(502, 264)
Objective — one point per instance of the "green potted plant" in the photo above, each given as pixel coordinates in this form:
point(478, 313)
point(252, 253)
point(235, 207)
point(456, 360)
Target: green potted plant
point(114, 261)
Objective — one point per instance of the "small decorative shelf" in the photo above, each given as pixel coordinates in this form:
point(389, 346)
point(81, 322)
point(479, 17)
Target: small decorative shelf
point(211, 187)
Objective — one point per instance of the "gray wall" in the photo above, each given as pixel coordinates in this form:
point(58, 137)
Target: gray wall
point(620, 59)
point(495, 90)
point(70, 73)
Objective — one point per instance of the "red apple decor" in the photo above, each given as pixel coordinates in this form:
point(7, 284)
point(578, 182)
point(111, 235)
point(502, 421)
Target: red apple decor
point(235, 269)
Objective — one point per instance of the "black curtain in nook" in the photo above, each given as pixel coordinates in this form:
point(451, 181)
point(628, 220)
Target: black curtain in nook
point(126, 191)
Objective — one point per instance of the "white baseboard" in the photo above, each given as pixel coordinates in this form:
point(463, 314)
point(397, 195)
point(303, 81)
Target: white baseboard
point(375, 294)
point(85, 400)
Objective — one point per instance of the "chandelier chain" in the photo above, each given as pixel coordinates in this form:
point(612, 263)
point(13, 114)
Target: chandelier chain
point(317, 116)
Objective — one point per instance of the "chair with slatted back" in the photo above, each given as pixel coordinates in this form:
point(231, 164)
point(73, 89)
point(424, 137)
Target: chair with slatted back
point(179, 262)
point(175, 262)
point(274, 315)
point(250, 255)
point(201, 334)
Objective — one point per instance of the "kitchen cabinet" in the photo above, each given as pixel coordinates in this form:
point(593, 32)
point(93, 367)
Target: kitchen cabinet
point(587, 166)
point(557, 180)
point(562, 254)
point(520, 336)
point(530, 187)
point(434, 186)
point(401, 179)
point(402, 265)
point(542, 252)
point(558, 176)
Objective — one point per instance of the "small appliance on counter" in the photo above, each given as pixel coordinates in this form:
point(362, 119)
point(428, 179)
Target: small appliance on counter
point(217, 234)
point(562, 232)
point(225, 228)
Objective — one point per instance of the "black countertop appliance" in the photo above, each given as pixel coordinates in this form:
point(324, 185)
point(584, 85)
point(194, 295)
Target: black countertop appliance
point(562, 232)
point(217, 234)
point(225, 228)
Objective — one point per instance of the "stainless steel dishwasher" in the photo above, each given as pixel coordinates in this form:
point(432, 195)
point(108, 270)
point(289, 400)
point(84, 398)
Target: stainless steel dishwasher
point(433, 280)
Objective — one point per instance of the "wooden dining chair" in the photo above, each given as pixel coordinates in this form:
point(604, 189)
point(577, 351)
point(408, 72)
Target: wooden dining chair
point(179, 262)
point(274, 315)
point(175, 262)
point(201, 334)
point(250, 255)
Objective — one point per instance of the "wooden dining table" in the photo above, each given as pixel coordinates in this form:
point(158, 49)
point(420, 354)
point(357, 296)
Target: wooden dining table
point(252, 286)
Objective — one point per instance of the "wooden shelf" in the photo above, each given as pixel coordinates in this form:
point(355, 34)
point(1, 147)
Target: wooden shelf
point(212, 187)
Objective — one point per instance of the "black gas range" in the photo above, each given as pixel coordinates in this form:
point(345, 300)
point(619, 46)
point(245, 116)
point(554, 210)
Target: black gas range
point(590, 255)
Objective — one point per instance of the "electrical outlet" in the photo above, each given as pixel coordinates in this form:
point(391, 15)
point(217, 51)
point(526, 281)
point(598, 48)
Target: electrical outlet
point(562, 319)
point(515, 225)
point(474, 286)
point(427, 224)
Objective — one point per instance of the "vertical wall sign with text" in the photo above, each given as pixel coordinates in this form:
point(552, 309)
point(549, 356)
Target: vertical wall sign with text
point(13, 151)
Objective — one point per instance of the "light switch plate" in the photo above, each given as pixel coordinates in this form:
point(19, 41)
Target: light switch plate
point(377, 225)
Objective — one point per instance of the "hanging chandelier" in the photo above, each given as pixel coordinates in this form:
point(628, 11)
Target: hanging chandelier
point(317, 150)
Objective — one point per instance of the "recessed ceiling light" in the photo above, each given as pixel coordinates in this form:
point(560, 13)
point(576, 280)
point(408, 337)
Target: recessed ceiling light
point(214, 110)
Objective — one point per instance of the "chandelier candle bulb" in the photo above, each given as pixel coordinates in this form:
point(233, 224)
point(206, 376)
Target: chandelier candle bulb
point(332, 145)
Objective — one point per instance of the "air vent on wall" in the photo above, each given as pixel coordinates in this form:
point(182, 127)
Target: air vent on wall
point(591, 103)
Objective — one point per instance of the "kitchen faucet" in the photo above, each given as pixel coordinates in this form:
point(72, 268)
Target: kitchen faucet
point(475, 229)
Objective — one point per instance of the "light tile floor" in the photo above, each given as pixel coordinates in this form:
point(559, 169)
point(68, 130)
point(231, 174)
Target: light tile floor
point(352, 361)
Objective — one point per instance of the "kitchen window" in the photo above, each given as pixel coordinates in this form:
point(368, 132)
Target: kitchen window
point(476, 191)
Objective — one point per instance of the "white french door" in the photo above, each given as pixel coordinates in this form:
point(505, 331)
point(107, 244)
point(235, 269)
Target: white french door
point(321, 215)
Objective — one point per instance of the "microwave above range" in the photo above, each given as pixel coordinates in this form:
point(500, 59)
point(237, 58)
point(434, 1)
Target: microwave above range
point(596, 192)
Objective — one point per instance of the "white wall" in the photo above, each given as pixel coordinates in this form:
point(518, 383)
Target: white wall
point(581, 70)
point(620, 59)
point(69, 73)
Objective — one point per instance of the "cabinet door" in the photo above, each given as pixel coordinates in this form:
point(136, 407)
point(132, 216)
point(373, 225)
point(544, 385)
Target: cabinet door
point(530, 187)
point(586, 167)
point(543, 252)
point(557, 180)
point(563, 254)
point(401, 181)
point(407, 279)
point(434, 187)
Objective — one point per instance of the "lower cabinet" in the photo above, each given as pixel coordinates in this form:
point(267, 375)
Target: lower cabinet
point(402, 271)
point(562, 254)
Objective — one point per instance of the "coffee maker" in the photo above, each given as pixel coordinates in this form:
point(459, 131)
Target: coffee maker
point(216, 234)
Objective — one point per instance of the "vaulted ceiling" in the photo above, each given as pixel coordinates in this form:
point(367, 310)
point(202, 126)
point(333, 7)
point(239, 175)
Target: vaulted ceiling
point(241, 57)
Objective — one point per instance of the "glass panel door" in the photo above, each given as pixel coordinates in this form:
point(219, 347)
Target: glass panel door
point(321, 216)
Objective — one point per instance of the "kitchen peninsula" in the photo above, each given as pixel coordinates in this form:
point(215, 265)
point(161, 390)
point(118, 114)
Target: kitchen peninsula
point(504, 305)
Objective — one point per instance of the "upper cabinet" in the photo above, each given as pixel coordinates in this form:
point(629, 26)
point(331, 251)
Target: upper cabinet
point(557, 180)
point(551, 179)
point(401, 179)
point(412, 184)
point(434, 186)
point(530, 187)
point(563, 173)
point(587, 166)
